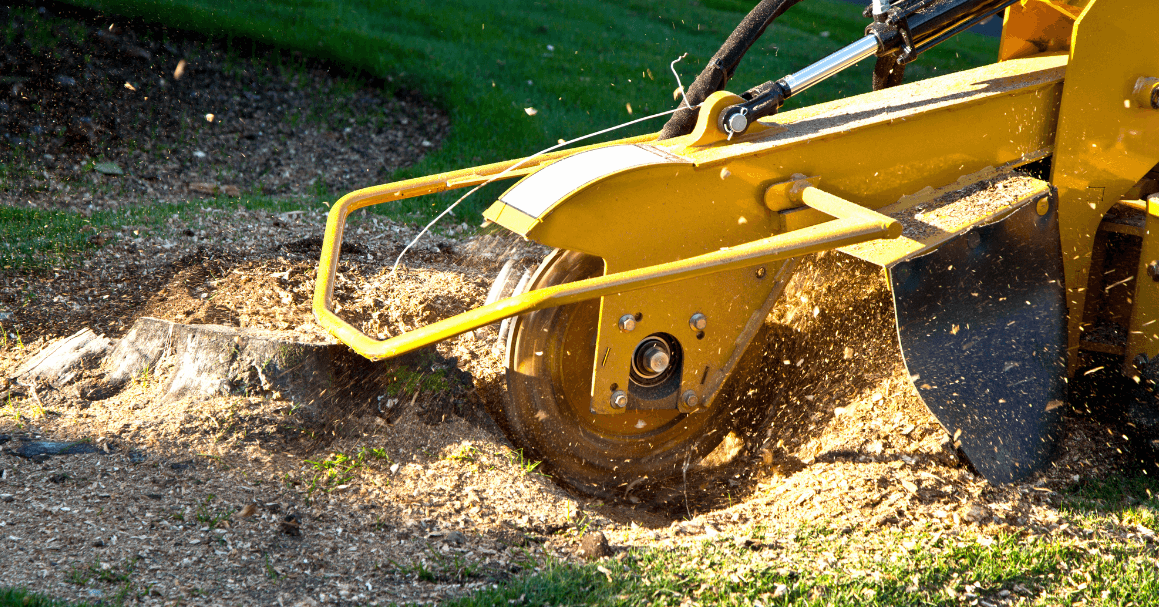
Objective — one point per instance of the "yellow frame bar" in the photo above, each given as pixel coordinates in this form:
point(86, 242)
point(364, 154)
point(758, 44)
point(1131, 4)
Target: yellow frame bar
point(854, 224)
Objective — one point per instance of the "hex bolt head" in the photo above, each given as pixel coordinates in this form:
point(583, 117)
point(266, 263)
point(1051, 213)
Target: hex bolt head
point(690, 399)
point(627, 323)
point(1153, 270)
point(1140, 362)
point(656, 359)
point(619, 399)
point(698, 322)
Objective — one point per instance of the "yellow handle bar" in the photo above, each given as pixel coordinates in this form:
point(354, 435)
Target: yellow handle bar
point(854, 224)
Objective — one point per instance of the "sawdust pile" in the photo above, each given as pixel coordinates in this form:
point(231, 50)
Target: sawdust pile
point(848, 440)
point(848, 437)
point(837, 431)
point(275, 292)
point(441, 278)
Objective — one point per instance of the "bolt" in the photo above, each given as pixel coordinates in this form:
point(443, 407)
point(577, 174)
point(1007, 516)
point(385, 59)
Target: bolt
point(738, 122)
point(656, 359)
point(760, 272)
point(627, 323)
point(1153, 270)
point(1155, 98)
point(619, 399)
point(691, 399)
point(698, 322)
point(1140, 362)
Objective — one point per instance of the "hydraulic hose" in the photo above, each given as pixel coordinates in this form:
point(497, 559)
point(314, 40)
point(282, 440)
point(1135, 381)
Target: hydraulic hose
point(724, 63)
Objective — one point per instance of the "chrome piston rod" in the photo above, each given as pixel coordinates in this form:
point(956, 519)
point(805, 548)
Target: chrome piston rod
point(907, 29)
point(737, 118)
point(823, 69)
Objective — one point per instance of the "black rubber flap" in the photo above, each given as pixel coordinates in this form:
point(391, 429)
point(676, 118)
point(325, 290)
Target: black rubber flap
point(982, 323)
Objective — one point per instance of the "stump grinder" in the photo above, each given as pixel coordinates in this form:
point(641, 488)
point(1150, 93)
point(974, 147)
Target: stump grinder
point(1012, 208)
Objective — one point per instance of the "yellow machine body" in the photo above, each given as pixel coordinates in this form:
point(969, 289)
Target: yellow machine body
point(706, 226)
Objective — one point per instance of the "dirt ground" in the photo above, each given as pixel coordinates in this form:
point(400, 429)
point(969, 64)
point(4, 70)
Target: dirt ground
point(96, 113)
point(239, 499)
point(188, 501)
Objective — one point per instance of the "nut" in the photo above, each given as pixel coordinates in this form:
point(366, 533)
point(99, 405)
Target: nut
point(656, 359)
point(1146, 94)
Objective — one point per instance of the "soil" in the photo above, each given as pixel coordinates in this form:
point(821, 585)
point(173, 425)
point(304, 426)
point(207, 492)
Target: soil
point(241, 499)
point(442, 504)
point(98, 112)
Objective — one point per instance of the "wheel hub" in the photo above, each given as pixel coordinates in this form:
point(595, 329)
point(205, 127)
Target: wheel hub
point(652, 358)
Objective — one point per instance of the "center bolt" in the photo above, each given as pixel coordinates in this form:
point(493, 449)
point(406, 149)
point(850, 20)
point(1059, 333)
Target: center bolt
point(655, 359)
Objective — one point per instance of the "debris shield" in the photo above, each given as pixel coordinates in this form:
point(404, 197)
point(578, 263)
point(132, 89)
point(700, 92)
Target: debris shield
point(982, 326)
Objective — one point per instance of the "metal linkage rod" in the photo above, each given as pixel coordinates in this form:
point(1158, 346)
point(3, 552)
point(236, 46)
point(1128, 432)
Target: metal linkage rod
point(772, 96)
point(823, 69)
point(904, 29)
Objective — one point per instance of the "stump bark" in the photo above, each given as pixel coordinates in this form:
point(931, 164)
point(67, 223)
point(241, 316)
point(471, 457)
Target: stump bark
point(64, 359)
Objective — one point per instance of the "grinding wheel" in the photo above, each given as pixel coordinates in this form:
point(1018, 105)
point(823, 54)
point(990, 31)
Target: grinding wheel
point(550, 356)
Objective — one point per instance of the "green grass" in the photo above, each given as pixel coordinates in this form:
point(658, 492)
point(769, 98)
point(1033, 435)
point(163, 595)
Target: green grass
point(580, 63)
point(15, 597)
point(339, 468)
point(1084, 558)
point(209, 515)
point(40, 240)
point(826, 567)
point(1126, 500)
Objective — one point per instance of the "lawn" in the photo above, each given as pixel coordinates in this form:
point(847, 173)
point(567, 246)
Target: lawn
point(583, 65)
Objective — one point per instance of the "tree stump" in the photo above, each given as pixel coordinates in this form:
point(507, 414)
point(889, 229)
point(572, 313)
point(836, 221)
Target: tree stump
point(327, 382)
point(64, 359)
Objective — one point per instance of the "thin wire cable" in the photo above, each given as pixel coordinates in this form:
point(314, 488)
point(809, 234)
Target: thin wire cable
point(679, 84)
point(495, 177)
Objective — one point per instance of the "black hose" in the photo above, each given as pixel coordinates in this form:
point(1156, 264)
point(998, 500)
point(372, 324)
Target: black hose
point(724, 63)
point(887, 72)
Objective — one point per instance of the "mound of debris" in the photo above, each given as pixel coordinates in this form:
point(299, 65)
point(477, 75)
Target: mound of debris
point(848, 439)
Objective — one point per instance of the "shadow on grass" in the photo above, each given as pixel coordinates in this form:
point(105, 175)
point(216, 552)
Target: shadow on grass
point(1133, 498)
